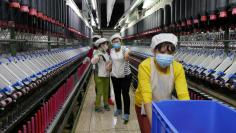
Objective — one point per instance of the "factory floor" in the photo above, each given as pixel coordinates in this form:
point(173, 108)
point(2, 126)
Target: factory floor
point(92, 122)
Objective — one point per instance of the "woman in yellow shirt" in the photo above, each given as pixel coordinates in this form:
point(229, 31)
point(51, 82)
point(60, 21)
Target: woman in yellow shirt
point(158, 77)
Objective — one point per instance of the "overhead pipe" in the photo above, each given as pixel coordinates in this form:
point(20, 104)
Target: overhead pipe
point(211, 9)
point(232, 13)
point(167, 12)
point(196, 15)
point(232, 4)
point(14, 6)
point(182, 14)
point(221, 6)
point(24, 12)
point(203, 10)
point(64, 13)
point(172, 16)
point(39, 15)
point(203, 15)
point(45, 16)
point(40, 9)
point(51, 16)
point(55, 14)
point(32, 16)
point(161, 22)
point(177, 15)
point(59, 18)
point(24, 6)
point(42, 16)
point(33, 8)
point(4, 9)
point(49, 19)
point(188, 9)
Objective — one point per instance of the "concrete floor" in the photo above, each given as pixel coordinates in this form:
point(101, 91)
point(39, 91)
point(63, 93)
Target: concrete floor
point(104, 122)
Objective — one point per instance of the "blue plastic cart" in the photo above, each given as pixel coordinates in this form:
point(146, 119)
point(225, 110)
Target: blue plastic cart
point(192, 117)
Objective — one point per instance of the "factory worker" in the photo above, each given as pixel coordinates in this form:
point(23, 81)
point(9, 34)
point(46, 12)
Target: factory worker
point(102, 59)
point(121, 76)
point(90, 54)
point(93, 48)
point(158, 78)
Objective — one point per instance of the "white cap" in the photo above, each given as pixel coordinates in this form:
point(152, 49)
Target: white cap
point(96, 36)
point(99, 41)
point(163, 37)
point(117, 35)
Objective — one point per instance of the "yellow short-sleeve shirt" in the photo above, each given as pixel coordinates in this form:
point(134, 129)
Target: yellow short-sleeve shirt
point(144, 92)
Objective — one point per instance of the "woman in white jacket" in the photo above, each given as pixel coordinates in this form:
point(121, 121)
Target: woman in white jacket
point(102, 59)
point(120, 75)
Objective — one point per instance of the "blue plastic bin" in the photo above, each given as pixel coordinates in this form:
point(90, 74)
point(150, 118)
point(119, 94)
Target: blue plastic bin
point(192, 117)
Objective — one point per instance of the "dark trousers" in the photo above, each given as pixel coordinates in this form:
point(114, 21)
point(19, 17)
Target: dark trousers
point(121, 86)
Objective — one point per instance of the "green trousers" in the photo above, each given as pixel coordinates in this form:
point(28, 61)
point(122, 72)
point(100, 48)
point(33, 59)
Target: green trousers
point(102, 84)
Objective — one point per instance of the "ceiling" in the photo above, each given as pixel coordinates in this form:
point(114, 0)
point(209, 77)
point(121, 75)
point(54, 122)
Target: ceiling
point(118, 11)
point(118, 1)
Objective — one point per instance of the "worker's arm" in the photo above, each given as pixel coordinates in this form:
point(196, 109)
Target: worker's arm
point(127, 52)
point(95, 60)
point(90, 53)
point(148, 110)
point(127, 56)
point(97, 56)
point(145, 88)
point(109, 66)
point(89, 56)
point(86, 60)
point(181, 84)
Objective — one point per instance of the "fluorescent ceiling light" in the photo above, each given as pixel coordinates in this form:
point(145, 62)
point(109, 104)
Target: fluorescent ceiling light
point(94, 3)
point(75, 8)
point(134, 4)
point(127, 20)
point(93, 22)
point(148, 3)
point(122, 29)
point(137, 2)
point(110, 5)
point(123, 20)
point(87, 23)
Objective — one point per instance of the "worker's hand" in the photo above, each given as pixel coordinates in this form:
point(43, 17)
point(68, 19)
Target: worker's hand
point(86, 60)
point(109, 66)
point(98, 53)
point(127, 56)
point(148, 110)
point(95, 60)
